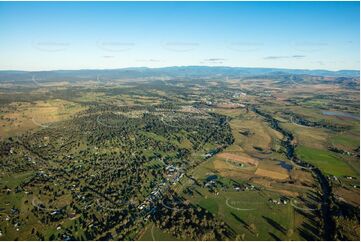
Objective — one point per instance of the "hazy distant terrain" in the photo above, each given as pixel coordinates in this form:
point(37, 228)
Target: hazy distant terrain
point(174, 72)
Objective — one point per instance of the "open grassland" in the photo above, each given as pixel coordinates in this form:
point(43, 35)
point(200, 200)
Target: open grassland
point(313, 144)
point(346, 141)
point(282, 175)
point(231, 112)
point(316, 137)
point(17, 118)
point(252, 152)
point(25, 201)
point(251, 214)
point(254, 136)
point(153, 233)
point(326, 161)
point(238, 158)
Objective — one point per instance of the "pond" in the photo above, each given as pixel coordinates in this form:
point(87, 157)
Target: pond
point(285, 165)
point(211, 178)
point(340, 114)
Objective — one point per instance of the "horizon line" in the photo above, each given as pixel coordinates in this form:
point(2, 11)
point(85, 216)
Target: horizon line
point(139, 67)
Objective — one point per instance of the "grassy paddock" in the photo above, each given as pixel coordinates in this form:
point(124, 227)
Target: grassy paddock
point(325, 160)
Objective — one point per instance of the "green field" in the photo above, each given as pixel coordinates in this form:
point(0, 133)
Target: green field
point(152, 233)
point(348, 141)
point(325, 160)
point(250, 214)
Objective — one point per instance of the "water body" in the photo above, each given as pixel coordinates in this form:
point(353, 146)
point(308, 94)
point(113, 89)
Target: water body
point(285, 165)
point(340, 114)
point(212, 178)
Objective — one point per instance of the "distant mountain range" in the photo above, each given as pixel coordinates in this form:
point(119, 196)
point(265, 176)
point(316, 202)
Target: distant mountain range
point(175, 72)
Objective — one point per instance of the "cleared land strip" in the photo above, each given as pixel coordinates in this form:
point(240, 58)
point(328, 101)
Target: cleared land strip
point(239, 158)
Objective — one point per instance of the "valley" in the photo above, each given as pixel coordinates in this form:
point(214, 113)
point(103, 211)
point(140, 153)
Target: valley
point(209, 157)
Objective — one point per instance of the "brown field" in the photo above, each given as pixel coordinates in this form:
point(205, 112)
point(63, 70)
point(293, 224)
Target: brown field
point(271, 174)
point(262, 136)
point(240, 158)
point(350, 196)
point(228, 170)
point(232, 112)
point(271, 185)
point(17, 118)
point(230, 105)
point(303, 135)
point(302, 177)
point(222, 165)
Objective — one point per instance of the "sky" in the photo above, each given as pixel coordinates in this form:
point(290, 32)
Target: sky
point(94, 35)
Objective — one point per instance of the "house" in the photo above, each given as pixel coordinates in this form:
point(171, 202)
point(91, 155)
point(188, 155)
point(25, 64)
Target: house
point(171, 168)
point(210, 184)
point(55, 212)
point(237, 188)
point(206, 156)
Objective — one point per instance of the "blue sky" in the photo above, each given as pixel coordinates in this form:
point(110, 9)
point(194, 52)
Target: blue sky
point(68, 35)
